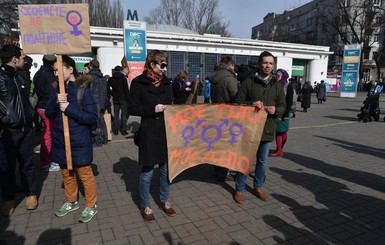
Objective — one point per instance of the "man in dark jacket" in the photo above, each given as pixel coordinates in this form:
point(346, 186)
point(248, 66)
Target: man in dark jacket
point(262, 91)
point(99, 91)
point(225, 81)
point(16, 117)
point(44, 81)
point(118, 89)
point(226, 84)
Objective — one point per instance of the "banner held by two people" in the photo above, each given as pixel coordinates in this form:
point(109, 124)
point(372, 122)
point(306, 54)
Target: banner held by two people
point(218, 134)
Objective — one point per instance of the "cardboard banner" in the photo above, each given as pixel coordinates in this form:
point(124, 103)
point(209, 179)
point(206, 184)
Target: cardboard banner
point(218, 134)
point(55, 28)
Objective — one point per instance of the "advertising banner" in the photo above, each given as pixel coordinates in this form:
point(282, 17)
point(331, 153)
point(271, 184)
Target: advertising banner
point(350, 70)
point(135, 46)
point(55, 28)
point(217, 134)
point(349, 84)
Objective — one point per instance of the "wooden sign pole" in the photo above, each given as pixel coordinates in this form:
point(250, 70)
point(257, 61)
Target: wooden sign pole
point(65, 118)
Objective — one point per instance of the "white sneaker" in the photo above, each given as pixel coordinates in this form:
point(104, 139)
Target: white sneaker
point(54, 167)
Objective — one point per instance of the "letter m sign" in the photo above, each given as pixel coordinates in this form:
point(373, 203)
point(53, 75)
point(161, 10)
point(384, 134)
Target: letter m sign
point(131, 16)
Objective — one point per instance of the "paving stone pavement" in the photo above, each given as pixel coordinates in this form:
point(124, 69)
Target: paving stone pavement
point(328, 188)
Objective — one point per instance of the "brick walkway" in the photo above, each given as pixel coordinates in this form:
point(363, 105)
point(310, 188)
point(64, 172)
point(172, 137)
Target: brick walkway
point(328, 188)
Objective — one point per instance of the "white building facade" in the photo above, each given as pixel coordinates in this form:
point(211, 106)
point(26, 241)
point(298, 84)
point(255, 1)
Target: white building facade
point(198, 54)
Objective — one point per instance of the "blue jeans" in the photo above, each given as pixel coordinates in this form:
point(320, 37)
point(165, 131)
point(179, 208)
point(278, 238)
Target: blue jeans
point(260, 168)
point(145, 183)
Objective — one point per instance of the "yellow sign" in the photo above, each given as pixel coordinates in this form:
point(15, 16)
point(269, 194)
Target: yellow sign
point(55, 28)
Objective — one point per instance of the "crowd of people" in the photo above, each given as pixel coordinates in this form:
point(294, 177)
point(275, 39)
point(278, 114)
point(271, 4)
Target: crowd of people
point(87, 97)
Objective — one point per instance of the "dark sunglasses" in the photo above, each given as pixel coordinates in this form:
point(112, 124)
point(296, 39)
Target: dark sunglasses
point(162, 65)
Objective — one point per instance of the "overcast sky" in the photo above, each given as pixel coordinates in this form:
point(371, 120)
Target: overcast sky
point(243, 15)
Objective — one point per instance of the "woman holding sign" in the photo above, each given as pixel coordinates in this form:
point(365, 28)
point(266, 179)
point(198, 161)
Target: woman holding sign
point(149, 94)
point(79, 106)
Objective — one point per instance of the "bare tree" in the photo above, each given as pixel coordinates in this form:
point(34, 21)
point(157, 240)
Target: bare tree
point(8, 17)
point(354, 21)
point(196, 15)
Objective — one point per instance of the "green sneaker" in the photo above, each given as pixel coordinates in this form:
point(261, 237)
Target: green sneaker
point(88, 214)
point(66, 208)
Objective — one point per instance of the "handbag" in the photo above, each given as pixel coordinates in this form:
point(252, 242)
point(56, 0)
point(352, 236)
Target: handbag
point(33, 99)
point(299, 98)
point(33, 96)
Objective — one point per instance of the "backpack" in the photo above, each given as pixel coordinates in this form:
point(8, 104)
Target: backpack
point(96, 129)
point(245, 70)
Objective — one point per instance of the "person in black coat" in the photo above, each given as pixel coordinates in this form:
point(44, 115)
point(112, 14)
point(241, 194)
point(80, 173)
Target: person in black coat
point(180, 89)
point(16, 133)
point(118, 90)
point(150, 92)
point(306, 91)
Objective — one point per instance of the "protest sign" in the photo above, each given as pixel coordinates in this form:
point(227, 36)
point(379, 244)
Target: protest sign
point(54, 28)
point(218, 134)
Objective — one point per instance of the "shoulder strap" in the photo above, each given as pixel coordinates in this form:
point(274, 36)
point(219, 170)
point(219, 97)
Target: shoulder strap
point(79, 97)
point(36, 78)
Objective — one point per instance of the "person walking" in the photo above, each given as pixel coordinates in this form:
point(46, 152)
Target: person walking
point(264, 92)
point(80, 107)
point(16, 131)
point(283, 122)
point(321, 92)
point(118, 90)
point(306, 91)
point(149, 96)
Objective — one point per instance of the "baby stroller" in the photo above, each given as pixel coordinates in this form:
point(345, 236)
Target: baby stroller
point(371, 109)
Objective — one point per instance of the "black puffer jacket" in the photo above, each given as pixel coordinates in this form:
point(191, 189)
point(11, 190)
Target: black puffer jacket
point(98, 88)
point(16, 111)
point(44, 80)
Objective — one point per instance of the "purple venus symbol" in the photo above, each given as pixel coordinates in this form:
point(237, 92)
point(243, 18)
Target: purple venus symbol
point(74, 19)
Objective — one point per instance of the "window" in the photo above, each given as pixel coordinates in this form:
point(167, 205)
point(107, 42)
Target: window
point(377, 3)
point(310, 35)
point(375, 38)
point(309, 21)
point(378, 21)
point(194, 65)
point(324, 26)
point(241, 59)
point(176, 59)
point(210, 61)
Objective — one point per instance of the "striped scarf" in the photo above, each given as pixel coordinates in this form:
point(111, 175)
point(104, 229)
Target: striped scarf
point(157, 78)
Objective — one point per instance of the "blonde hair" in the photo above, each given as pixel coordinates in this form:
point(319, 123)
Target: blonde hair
point(182, 75)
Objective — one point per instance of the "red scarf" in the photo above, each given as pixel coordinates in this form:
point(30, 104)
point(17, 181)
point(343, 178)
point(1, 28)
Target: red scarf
point(157, 78)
